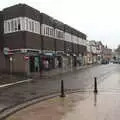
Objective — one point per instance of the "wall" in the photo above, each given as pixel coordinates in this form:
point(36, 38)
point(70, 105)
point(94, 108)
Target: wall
point(4, 63)
point(22, 38)
point(19, 63)
point(1, 30)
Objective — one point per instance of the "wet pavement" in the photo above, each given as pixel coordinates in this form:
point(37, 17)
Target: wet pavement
point(9, 78)
point(76, 106)
point(79, 80)
point(105, 105)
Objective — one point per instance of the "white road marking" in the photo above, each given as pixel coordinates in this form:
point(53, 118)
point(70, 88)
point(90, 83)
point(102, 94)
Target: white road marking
point(10, 84)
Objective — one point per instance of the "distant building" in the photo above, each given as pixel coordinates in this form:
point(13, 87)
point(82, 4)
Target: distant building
point(96, 52)
point(100, 48)
point(107, 54)
point(93, 48)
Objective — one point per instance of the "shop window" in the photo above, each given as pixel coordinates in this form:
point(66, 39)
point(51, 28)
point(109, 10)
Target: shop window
point(31, 64)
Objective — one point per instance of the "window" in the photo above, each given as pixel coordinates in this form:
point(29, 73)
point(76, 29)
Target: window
point(16, 28)
point(26, 24)
point(32, 26)
point(36, 27)
point(59, 34)
point(5, 27)
point(51, 32)
point(21, 24)
point(12, 26)
point(47, 31)
point(29, 25)
point(8, 26)
point(44, 30)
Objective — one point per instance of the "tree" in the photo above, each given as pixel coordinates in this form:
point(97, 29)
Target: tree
point(118, 49)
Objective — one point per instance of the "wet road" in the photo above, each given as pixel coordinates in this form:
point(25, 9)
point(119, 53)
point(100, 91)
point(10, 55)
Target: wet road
point(82, 80)
point(105, 105)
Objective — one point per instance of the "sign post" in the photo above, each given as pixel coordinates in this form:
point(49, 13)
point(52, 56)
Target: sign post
point(26, 58)
point(11, 67)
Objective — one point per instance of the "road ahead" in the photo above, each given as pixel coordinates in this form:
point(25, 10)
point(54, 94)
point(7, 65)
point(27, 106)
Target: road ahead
point(82, 80)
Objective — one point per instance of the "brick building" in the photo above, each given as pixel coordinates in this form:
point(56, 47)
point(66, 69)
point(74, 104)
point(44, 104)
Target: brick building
point(28, 37)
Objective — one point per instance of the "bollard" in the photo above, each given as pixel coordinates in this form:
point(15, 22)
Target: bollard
point(62, 89)
point(95, 85)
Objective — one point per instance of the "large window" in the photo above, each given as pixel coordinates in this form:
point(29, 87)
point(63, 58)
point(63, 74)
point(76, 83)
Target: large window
point(68, 37)
point(21, 24)
point(47, 30)
point(59, 34)
point(50, 31)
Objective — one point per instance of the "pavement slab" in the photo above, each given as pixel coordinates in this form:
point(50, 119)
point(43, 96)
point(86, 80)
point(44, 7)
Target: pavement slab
point(78, 106)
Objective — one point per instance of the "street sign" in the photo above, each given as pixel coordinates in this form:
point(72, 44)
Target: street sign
point(6, 51)
point(26, 57)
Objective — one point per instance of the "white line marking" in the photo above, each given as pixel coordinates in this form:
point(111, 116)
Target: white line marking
point(10, 84)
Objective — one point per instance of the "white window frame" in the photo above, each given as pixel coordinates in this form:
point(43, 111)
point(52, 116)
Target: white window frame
point(26, 24)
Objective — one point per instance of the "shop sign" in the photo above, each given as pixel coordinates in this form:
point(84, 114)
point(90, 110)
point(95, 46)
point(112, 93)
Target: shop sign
point(26, 57)
point(49, 54)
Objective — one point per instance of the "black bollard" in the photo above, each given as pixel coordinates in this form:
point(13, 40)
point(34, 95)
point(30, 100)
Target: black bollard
point(62, 89)
point(95, 85)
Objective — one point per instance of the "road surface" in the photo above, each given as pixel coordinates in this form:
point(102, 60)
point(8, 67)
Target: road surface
point(79, 80)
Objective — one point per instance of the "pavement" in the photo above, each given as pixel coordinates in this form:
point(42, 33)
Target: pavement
point(77, 106)
point(59, 71)
point(8, 78)
point(11, 79)
point(83, 105)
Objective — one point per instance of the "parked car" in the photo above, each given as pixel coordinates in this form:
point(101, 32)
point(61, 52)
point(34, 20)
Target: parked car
point(116, 61)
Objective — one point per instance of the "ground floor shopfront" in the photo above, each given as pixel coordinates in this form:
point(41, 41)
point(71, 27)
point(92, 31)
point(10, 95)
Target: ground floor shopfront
point(33, 61)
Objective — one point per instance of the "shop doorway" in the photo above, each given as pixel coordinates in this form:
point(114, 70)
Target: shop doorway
point(34, 63)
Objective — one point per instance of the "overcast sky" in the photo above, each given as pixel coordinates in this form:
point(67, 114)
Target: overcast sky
point(99, 19)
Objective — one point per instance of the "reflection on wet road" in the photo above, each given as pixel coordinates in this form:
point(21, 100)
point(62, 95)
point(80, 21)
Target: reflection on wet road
point(102, 106)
